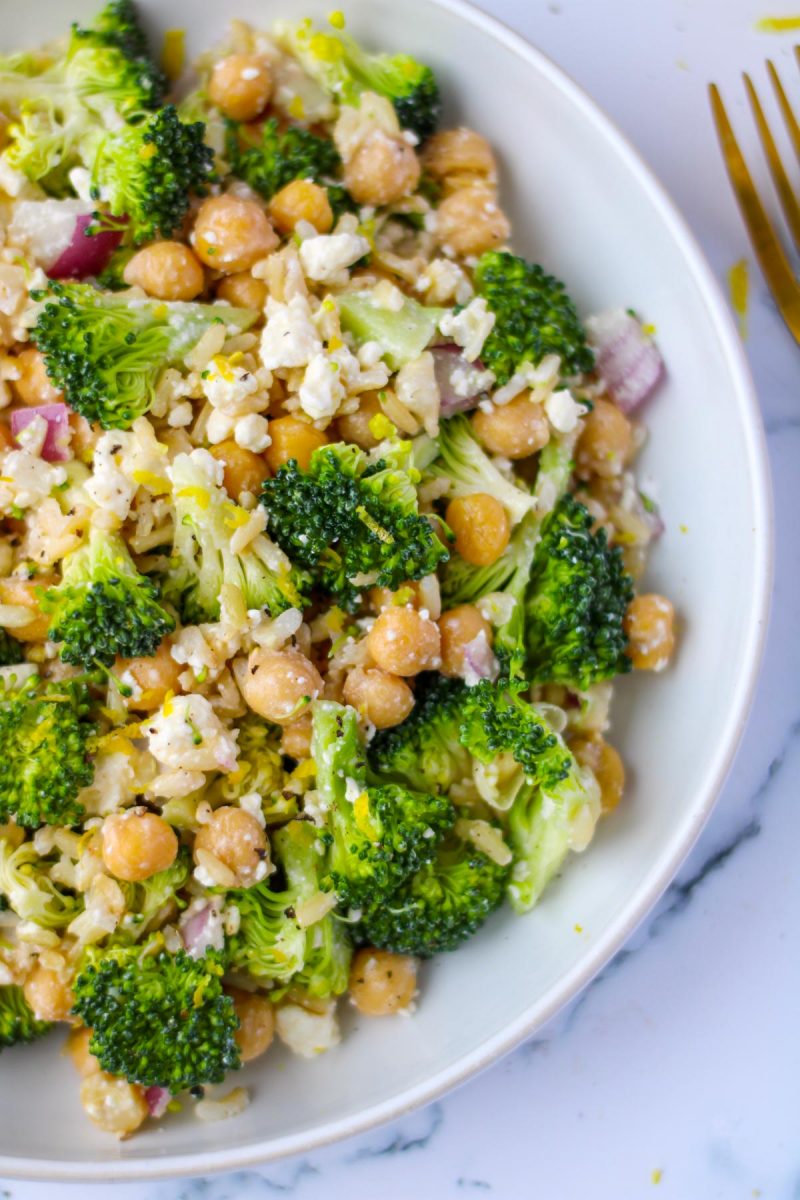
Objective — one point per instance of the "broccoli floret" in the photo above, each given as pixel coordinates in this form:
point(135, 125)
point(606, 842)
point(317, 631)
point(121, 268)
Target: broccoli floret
point(158, 1019)
point(29, 890)
point(348, 518)
point(203, 560)
point(17, 1022)
point(146, 899)
point(345, 70)
point(495, 719)
point(534, 316)
point(117, 25)
point(277, 158)
point(12, 652)
point(576, 602)
point(106, 352)
point(103, 607)
point(269, 944)
point(376, 836)
point(424, 750)
point(402, 335)
point(259, 768)
point(441, 905)
point(467, 469)
point(145, 173)
point(44, 760)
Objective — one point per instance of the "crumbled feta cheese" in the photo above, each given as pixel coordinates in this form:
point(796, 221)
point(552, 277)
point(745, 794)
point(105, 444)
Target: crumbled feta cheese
point(352, 789)
point(26, 480)
point(290, 338)
point(251, 433)
point(326, 259)
point(563, 412)
point(307, 1033)
point(181, 415)
point(470, 381)
point(470, 327)
point(387, 295)
point(322, 389)
point(370, 353)
point(417, 389)
point(187, 733)
point(251, 803)
point(32, 437)
point(444, 282)
point(231, 389)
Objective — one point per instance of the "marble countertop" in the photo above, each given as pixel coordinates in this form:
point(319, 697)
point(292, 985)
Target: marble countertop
point(675, 1073)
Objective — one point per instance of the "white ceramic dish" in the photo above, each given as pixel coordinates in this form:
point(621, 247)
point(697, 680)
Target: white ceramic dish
point(585, 205)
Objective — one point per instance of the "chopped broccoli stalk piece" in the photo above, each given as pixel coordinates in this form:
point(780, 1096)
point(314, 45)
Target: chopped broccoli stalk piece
point(103, 608)
point(534, 317)
point(268, 164)
point(106, 352)
point(443, 903)
point(402, 335)
point(424, 750)
point(145, 174)
point(202, 556)
point(467, 469)
point(576, 602)
point(269, 944)
point(344, 69)
point(376, 836)
point(17, 1022)
point(12, 652)
point(157, 1019)
point(348, 519)
point(29, 890)
point(44, 759)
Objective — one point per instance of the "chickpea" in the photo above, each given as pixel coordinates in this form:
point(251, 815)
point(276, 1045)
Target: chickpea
point(605, 762)
point(301, 200)
point(236, 838)
point(244, 470)
point(242, 290)
point(166, 270)
point(470, 221)
point(481, 527)
point(403, 642)
point(33, 385)
point(382, 983)
point(231, 233)
point(515, 430)
point(296, 738)
point(48, 994)
point(77, 1048)
point(113, 1104)
point(384, 699)
point(27, 593)
point(605, 442)
point(256, 1023)
point(6, 440)
point(382, 170)
point(459, 155)
point(279, 684)
point(137, 844)
point(241, 86)
point(292, 438)
point(458, 627)
point(354, 427)
point(153, 677)
point(650, 626)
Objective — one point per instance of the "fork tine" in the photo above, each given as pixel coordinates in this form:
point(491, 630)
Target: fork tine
point(791, 209)
point(786, 109)
point(768, 250)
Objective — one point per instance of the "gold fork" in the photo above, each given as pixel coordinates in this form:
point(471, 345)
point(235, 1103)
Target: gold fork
point(766, 243)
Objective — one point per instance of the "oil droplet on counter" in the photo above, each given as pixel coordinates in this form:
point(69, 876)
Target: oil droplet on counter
point(739, 288)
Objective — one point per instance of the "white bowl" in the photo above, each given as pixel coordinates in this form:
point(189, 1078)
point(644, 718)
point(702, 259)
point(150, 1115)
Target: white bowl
point(585, 205)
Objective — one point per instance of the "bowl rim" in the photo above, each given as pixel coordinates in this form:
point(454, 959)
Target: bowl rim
point(682, 840)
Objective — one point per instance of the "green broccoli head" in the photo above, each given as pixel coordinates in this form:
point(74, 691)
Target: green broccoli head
point(344, 69)
point(402, 334)
point(17, 1022)
point(576, 602)
point(465, 466)
point(44, 757)
point(158, 1019)
point(441, 905)
point(495, 719)
point(116, 25)
point(103, 607)
point(277, 158)
point(203, 561)
point(424, 751)
point(348, 520)
point(106, 352)
point(534, 317)
point(376, 836)
point(145, 173)
point(12, 652)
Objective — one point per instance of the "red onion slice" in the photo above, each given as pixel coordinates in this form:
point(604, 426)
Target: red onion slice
point(627, 358)
point(86, 254)
point(156, 1099)
point(201, 930)
point(479, 661)
point(56, 446)
point(461, 383)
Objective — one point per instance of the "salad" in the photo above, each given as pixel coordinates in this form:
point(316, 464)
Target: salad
point(318, 560)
